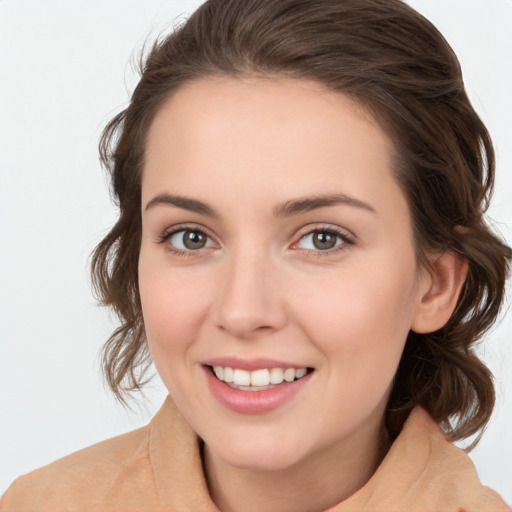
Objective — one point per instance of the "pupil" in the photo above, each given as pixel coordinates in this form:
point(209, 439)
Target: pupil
point(194, 240)
point(324, 240)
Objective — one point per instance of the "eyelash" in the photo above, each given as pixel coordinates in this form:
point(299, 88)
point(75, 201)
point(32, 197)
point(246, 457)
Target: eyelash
point(166, 235)
point(346, 239)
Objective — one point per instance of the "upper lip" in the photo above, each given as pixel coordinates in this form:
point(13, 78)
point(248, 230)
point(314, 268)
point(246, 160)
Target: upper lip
point(251, 364)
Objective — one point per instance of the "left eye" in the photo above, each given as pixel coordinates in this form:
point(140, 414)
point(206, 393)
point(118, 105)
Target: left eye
point(321, 241)
point(190, 240)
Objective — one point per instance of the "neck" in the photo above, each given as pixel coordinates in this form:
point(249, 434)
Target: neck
point(319, 482)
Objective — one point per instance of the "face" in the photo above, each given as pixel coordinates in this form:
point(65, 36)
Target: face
point(276, 246)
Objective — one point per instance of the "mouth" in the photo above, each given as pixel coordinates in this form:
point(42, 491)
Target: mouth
point(260, 379)
point(256, 386)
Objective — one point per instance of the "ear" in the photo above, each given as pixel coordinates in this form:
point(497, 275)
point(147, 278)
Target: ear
point(439, 291)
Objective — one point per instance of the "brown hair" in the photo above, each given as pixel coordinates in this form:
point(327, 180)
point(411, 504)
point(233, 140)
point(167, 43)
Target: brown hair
point(398, 66)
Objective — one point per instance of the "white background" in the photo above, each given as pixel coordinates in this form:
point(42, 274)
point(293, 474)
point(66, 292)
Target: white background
point(64, 71)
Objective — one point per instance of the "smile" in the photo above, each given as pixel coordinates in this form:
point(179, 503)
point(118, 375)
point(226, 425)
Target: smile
point(257, 380)
point(258, 390)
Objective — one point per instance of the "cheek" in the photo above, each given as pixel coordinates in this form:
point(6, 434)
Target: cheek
point(360, 327)
point(174, 306)
point(361, 319)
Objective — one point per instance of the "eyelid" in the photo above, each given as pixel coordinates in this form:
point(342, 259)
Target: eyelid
point(176, 228)
point(346, 236)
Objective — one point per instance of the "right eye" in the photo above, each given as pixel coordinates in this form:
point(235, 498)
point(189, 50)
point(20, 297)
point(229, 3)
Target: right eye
point(184, 241)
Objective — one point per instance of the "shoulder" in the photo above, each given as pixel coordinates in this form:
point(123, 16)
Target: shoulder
point(84, 479)
point(448, 475)
point(424, 471)
point(157, 467)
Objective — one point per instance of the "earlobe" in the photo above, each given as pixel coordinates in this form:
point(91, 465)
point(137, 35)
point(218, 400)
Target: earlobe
point(440, 292)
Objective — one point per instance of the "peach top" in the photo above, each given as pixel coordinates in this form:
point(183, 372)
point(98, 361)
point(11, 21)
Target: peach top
point(158, 468)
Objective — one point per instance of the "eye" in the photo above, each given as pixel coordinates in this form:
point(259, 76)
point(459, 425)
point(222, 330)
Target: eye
point(187, 240)
point(323, 240)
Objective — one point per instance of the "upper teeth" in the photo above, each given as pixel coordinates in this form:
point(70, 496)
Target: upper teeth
point(262, 377)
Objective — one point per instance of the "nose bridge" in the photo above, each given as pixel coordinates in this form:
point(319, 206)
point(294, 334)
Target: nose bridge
point(250, 300)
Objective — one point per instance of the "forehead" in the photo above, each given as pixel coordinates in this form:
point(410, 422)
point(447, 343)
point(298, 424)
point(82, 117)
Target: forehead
point(266, 135)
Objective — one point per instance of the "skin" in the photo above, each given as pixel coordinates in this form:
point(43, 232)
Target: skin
point(260, 288)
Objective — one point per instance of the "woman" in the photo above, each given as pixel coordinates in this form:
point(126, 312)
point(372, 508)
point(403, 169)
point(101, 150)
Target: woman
point(302, 250)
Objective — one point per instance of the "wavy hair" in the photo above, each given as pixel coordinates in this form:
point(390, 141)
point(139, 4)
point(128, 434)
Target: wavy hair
point(395, 64)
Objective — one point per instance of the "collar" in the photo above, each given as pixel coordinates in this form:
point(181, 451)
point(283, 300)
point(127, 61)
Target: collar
point(422, 471)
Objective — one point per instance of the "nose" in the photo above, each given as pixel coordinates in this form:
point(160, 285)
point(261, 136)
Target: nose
point(250, 301)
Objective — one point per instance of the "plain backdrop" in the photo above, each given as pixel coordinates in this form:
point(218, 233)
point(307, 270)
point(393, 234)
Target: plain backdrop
point(64, 71)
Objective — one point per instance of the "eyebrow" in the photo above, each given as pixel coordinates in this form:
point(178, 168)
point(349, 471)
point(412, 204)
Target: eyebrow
point(186, 203)
point(286, 209)
point(306, 204)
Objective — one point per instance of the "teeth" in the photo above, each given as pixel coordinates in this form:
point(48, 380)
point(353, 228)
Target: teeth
point(241, 377)
point(276, 376)
point(289, 374)
point(219, 372)
point(258, 378)
point(298, 373)
point(228, 374)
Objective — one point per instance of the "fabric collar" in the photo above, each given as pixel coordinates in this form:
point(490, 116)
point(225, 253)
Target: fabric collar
point(422, 471)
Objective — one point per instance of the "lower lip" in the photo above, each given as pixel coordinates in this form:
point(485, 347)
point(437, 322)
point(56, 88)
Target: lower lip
point(254, 402)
